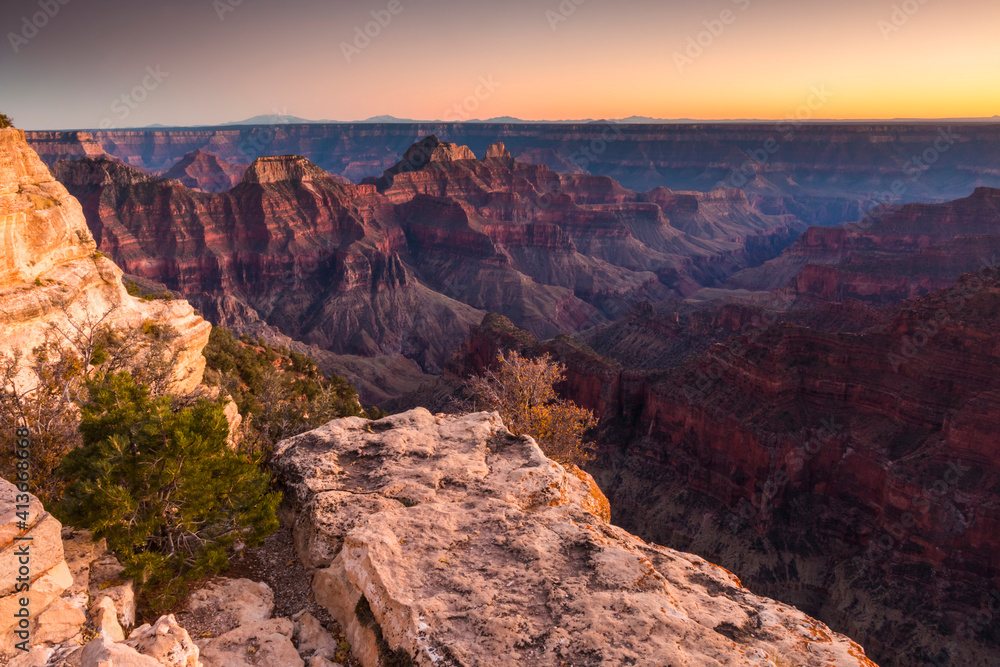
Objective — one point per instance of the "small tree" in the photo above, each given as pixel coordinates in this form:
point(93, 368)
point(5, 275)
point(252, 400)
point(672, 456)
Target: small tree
point(522, 390)
point(6, 121)
point(161, 485)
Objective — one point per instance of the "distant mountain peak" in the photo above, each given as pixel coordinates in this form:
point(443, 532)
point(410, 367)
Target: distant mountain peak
point(273, 119)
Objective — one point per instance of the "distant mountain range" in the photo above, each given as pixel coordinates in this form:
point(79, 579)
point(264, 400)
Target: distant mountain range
point(286, 119)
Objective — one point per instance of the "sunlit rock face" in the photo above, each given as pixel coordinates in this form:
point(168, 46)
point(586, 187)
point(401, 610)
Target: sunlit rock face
point(445, 540)
point(53, 279)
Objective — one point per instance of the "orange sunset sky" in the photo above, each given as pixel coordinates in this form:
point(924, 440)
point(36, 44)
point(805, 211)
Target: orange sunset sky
point(226, 60)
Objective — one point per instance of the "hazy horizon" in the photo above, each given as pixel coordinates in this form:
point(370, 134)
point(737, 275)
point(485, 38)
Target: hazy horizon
point(68, 64)
point(266, 119)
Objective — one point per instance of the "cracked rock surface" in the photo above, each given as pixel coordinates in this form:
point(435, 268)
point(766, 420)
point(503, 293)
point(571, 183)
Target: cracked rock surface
point(467, 546)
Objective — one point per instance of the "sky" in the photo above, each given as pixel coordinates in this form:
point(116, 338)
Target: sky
point(68, 64)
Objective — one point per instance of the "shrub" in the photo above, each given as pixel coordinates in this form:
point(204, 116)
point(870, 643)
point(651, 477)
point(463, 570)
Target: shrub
point(46, 408)
point(279, 393)
point(6, 121)
point(158, 480)
point(45, 399)
point(522, 390)
point(146, 294)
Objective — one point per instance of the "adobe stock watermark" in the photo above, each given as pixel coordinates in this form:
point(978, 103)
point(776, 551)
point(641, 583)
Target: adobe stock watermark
point(30, 25)
point(22, 552)
point(259, 138)
point(223, 7)
point(584, 155)
point(364, 34)
point(303, 267)
point(697, 44)
point(896, 534)
point(462, 111)
point(760, 503)
point(581, 158)
point(562, 12)
point(729, 351)
point(970, 627)
point(925, 331)
point(900, 16)
point(128, 102)
point(786, 131)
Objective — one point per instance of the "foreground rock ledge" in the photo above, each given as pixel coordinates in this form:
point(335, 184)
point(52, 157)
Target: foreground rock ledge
point(445, 540)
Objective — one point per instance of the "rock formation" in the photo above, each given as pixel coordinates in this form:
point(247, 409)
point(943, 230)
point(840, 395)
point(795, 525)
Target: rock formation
point(405, 264)
point(445, 540)
point(52, 276)
point(203, 171)
point(894, 254)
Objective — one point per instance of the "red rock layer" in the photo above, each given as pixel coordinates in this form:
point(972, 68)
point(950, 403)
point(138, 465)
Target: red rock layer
point(854, 475)
point(824, 174)
point(203, 171)
point(406, 263)
point(896, 254)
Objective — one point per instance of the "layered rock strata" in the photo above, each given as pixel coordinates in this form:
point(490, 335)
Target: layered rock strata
point(895, 253)
point(405, 264)
point(823, 173)
point(837, 458)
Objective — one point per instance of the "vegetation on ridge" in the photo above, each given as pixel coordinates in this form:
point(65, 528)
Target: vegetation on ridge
point(156, 474)
point(6, 121)
point(279, 393)
point(522, 390)
point(43, 391)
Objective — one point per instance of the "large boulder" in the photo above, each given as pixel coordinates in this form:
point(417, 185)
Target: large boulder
point(226, 604)
point(103, 651)
point(489, 553)
point(265, 644)
point(165, 641)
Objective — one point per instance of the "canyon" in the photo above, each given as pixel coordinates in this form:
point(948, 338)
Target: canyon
point(401, 266)
point(807, 406)
point(840, 457)
point(893, 253)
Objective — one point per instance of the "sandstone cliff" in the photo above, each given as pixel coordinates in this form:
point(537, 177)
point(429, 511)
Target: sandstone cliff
point(445, 540)
point(53, 278)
